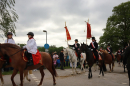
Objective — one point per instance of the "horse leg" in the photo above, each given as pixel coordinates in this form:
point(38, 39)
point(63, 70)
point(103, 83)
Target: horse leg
point(75, 67)
point(110, 67)
point(2, 81)
point(42, 75)
point(72, 68)
point(124, 67)
point(129, 76)
point(13, 75)
point(26, 76)
point(21, 77)
point(52, 71)
point(91, 73)
point(100, 71)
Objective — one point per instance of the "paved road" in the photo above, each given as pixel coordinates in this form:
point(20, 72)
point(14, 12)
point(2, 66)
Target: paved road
point(117, 78)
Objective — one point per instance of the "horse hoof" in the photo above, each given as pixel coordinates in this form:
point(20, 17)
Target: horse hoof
point(29, 80)
point(54, 84)
point(99, 76)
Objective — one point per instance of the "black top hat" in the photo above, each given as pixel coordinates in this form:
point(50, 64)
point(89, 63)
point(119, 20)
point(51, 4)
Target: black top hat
point(108, 45)
point(76, 40)
point(93, 38)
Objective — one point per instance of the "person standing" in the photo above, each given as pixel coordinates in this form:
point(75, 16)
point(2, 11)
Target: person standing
point(62, 59)
point(55, 57)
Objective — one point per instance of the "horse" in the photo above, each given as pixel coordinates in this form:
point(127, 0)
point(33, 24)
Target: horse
point(126, 60)
point(72, 57)
point(119, 58)
point(90, 59)
point(15, 54)
point(108, 59)
point(2, 62)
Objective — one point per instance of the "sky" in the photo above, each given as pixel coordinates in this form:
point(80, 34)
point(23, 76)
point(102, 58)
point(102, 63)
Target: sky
point(50, 15)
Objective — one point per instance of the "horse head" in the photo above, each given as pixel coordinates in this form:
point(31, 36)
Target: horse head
point(83, 47)
point(65, 52)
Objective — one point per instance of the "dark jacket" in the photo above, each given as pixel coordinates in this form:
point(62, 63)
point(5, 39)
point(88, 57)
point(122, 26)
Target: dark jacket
point(76, 46)
point(109, 50)
point(61, 56)
point(93, 46)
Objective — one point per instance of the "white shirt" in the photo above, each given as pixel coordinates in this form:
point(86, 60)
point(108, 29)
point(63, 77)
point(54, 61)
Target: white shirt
point(55, 57)
point(11, 41)
point(31, 46)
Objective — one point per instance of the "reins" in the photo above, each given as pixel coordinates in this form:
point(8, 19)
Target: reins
point(16, 52)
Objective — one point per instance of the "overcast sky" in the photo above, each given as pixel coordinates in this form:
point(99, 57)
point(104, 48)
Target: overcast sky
point(50, 15)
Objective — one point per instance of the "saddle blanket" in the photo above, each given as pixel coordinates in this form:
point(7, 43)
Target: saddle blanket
point(98, 56)
point(36, 58)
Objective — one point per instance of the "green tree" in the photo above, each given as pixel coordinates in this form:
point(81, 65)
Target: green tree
point(8, 17)
point(117, 28)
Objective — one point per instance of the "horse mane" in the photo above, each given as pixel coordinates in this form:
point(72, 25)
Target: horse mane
point(10, 45)
point(104, 51)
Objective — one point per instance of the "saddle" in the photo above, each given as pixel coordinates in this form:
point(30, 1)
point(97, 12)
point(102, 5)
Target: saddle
point(76, 54)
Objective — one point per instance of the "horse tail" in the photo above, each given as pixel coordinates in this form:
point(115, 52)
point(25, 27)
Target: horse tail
point(53, 68)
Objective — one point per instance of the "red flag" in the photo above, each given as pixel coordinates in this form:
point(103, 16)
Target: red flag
point(67, 34)
point(88, 31)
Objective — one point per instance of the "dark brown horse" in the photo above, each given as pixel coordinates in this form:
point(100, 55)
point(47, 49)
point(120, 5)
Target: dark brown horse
point(108, 59)
point(90, 59)
point(15, 53)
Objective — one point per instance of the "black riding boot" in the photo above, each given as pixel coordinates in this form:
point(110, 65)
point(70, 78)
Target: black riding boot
point(7, 59)
point(30, 60)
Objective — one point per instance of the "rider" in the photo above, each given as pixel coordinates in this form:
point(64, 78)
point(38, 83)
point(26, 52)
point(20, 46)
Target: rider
point(119, 51)
point(101, 48)
point(76, 47)
point(31, 48)
point(109, 50)
point(94, 46)
point(11, 41)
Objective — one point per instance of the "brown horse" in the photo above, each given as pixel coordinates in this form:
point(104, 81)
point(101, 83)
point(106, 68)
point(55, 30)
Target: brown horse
point(108, 59)
point(119, 57)
point(15, 53)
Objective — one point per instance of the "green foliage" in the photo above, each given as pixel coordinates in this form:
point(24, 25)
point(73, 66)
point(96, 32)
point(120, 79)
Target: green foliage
point(21, 45)
point(117, 28)
point(8, 17)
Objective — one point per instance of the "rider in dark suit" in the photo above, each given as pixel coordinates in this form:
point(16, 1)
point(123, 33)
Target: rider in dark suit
point(76, 47)
point(94, 46)
point(109, 50)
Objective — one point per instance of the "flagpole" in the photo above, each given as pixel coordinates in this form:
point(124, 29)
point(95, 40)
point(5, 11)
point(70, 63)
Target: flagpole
point(67, 40)
point(86, 31)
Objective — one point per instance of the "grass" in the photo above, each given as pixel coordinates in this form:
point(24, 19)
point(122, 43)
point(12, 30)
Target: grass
point(7, 73)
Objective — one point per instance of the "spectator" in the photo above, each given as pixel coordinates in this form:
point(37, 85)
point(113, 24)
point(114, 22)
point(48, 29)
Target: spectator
point(62, 59)
point(55, 57)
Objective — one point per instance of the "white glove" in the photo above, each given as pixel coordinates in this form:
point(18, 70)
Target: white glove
point(24, 47)
point(91, 49)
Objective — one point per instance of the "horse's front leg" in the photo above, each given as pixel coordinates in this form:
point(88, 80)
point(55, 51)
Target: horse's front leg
point(72, 68)
point(21, 77)
point(124, 67)
point(13, 75)
point(75, 67)
point(2, 81)
point(89, 72)
point(110, 67)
